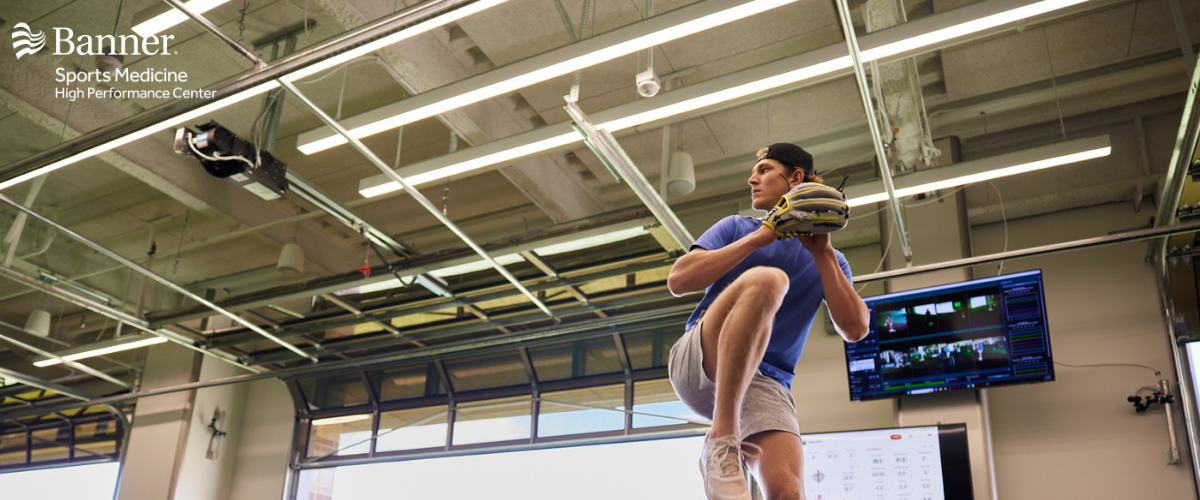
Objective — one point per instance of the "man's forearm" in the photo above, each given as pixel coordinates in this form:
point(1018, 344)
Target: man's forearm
point(697, 270)
point(846, 309)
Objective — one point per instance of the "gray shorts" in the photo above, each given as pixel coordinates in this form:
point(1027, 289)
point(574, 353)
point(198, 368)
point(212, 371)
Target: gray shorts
point(768, 406)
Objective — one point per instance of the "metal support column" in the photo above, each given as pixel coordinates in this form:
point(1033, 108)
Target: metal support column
point(876, 137)
point(362, 149)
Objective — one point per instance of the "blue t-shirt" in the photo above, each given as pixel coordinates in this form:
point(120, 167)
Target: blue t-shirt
point(804, 295)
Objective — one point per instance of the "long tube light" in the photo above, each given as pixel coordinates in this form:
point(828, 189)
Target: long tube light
point(912, 43)
point(172, 17)
point(985, 169)
point(95, 350)
point(545, 73)
point(343, 57)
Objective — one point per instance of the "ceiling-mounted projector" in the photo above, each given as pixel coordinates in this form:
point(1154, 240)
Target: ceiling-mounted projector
point(225, 155)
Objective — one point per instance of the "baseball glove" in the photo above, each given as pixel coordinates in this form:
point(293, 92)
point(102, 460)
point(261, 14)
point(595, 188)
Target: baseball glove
point(807, 209)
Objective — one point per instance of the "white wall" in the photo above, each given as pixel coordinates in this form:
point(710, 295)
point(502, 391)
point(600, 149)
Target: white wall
point(1075, 437)
point(262, 451)
point(202, 478)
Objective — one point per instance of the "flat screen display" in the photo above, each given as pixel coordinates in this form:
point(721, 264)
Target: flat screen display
point(917, 463)
point(978, 333)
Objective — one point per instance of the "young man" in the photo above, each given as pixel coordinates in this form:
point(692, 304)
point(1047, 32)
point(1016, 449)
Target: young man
point(735, 363)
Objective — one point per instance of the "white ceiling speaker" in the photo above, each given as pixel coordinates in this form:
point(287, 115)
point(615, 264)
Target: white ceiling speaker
point(291, 260)
point(38, 323)
point(648, 83)
point(681, 174)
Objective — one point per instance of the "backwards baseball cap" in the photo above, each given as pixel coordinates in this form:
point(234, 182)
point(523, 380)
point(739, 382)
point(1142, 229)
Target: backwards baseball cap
point(790, 155)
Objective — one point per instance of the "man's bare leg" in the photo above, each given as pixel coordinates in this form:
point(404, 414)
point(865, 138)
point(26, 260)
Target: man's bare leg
point(780, 466)
point(734, 339)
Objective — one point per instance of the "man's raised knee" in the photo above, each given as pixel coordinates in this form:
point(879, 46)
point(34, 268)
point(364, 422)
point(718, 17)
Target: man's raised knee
point(770, 280)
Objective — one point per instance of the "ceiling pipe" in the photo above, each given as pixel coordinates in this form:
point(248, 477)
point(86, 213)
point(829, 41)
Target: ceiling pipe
point(864, 91)
point(420, 198)
point(119, 316)
point(212, 28)
point(251, 81)
point(151, 275)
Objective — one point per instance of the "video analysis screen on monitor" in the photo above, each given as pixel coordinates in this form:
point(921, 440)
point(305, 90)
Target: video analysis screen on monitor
point(978, 333)
point(916, 463)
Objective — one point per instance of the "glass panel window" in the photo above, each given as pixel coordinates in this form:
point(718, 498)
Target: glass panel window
point(346, 435)
point(487, 372)
point(656, 399)
point(12, 449)
point(407, 382)
point(335, 391)
point(583, 410)
point(495, 420)
point(596, 356)
point(412, 429)
point(46, 445)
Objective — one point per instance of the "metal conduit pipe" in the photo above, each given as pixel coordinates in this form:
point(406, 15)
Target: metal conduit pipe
point(864, 91)
point(1185, 148)
point(151, 275)
point(369, 362)
point(416, 195)
point(604, 325)
point(357, 37)
point(117, 315)
point(212, 28)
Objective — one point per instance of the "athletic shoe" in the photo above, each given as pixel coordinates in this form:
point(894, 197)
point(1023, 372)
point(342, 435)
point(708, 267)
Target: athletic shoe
point(721, 468)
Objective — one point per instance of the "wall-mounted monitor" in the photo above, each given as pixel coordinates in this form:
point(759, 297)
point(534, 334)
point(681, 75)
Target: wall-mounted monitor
point(919, 463)
point(978, 333)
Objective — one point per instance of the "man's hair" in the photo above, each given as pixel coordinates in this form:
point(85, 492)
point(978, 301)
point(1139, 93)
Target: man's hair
point(807, 178)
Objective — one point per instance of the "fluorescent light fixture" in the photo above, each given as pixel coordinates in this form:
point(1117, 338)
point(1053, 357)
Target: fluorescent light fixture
point(512, 258)
point(102, 348)
point(340, 420)
point(759, 85)
point(985, 169)
point(545, 73)
point(171, 17)
point(409, 32)
point(256, 90)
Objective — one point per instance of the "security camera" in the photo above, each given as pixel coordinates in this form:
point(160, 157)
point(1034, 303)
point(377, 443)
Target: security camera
point(648, 83)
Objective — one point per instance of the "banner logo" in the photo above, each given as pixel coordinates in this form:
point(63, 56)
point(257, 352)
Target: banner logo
point(25, 41)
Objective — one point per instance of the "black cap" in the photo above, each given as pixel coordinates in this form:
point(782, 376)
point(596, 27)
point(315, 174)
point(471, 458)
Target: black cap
point(791, 155)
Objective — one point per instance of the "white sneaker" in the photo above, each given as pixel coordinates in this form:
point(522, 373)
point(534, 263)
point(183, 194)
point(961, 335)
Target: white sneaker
point(721, 468)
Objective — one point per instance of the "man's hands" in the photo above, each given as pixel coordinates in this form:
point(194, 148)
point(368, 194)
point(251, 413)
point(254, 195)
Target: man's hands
point(762, 236)
point(816, 244)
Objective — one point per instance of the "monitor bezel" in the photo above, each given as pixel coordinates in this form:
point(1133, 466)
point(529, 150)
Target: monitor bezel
point(990, 384)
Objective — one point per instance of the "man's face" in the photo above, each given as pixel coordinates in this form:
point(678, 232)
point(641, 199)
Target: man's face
point(769, 181)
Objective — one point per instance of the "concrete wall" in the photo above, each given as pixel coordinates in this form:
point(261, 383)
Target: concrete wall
point(1075, 437)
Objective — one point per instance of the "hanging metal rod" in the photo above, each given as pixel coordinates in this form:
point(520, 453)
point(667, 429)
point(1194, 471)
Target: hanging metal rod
point(371, 362)
point(302, 59)
point(1126, 237)
point(212, 28)
point(32, 381)
point(121, 316)
point(441, 217)
point(864, 91)
point(149, 274)
point(73, 364)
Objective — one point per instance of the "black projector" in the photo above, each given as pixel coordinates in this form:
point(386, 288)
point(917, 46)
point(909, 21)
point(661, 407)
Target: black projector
point(227, 156)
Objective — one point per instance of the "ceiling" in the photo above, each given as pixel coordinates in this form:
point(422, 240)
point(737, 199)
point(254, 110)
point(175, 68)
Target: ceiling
point(1111, 68)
